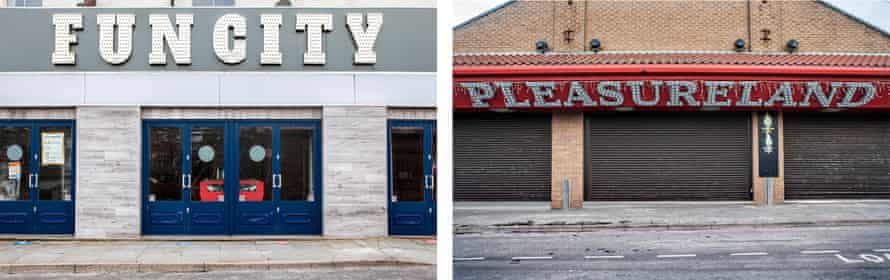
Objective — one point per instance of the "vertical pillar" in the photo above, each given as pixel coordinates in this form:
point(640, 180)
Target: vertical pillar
point(759, 183)
point(567, 158)
point(779, 183)
point(108, 191)
point(355, 179)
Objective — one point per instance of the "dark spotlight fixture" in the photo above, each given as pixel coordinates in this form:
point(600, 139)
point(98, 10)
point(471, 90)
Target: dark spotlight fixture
point(595, 45)
point(542, 46)
point(792, 45)
point(739, 45)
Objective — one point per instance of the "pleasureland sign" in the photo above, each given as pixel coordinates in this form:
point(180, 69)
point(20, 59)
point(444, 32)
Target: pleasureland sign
point(213, 39)
point(588, 95)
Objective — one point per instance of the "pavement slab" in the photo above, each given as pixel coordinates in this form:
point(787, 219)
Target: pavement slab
point(488, 217)
point(202, 256)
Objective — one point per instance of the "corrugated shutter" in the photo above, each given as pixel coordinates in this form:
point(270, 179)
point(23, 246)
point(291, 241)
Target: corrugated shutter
point(502, 157)
point(668, 156)
point(842, 155)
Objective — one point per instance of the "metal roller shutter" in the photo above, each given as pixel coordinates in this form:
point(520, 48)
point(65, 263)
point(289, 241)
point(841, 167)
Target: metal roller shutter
point(502, 157)
point(844, 155)
point(668, 156)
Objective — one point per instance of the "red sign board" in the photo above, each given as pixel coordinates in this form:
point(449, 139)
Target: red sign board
point(671, 94)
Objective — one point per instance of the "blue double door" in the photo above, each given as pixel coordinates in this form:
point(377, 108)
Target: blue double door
point(224, 177)
point(412, 177)
point(37, 177)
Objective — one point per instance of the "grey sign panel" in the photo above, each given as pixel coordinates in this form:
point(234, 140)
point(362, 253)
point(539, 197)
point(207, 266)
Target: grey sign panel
point(406, 42)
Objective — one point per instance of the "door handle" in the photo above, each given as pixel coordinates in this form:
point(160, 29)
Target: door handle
point(30, 181)
point(276, 184)
point(184, 184)
point(37, 181)
point(432, 182)
point(426, 182)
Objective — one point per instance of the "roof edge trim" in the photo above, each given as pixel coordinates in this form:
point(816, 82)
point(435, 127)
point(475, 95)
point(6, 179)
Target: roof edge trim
point(648, 69)
point(483, 14)
point(853, 17)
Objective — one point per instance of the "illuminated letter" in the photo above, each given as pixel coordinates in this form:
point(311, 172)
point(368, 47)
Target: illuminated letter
point(64, 23)
point(314, 24)
point(221, 38)
point(364, 38)
point(180, 45)
point(125, 23)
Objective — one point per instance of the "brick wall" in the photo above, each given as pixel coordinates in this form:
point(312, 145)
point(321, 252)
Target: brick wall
point(568, 158)
point(667, 25)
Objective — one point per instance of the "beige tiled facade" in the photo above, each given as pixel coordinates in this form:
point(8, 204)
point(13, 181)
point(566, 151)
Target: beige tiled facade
point(667, 25)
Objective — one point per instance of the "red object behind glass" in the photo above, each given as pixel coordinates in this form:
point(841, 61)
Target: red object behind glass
point(251, 190)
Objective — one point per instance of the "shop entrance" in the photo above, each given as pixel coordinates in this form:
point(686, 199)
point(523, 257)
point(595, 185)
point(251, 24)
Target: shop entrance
point(272, 188)
point(37, 177)
point(412, 177)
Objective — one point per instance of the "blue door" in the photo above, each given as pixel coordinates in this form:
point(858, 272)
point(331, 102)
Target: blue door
point(37, 177)
point(184, 186)
point(279, 174)
point(412, 157)
point(273, 184)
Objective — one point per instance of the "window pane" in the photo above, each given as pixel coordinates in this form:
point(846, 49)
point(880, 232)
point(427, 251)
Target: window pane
point(407, 164)
point(296, 164)
point(224, 2)
point(165, 171)
point(55, 163)
point(15, 143)
point(255, 164)
point(34, 3)
point(208, 164)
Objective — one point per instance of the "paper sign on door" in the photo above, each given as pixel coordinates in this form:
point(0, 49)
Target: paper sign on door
point(52, 148)
point(15, 169)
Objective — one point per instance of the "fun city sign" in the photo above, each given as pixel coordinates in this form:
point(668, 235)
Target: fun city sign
point(671, 95)
point(271, 39)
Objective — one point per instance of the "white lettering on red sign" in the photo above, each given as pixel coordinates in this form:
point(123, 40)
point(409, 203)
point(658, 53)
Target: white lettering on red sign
point(679, 94)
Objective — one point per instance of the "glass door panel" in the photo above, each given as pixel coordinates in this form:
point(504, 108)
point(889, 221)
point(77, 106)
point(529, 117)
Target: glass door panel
point(408, 180)
point(55, 170)
point(296, 164)
point(207, 164)
point(255, 164)
point(15, 163)
point(165, 159)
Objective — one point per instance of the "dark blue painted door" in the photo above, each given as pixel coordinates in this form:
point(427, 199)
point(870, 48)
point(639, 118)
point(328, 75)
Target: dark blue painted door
point(278, 177)
point(184, 185)
point(271, 188)
point(412, 206)
point(37, 177)
point(206, 163)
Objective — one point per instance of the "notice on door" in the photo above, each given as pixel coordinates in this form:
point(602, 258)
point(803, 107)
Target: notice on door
point(52, 148)
point(15, 168)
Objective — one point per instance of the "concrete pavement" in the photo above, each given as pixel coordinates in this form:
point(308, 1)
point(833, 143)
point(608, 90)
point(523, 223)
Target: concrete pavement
point(202, 256)
point(861, 252)
point(494, 217)
point(340, 273)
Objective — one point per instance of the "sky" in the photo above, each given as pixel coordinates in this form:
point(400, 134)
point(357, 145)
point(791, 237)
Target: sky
point(876, 12)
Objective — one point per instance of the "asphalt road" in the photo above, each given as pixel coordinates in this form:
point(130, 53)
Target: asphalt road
point(386, 272)
point(791, 253)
